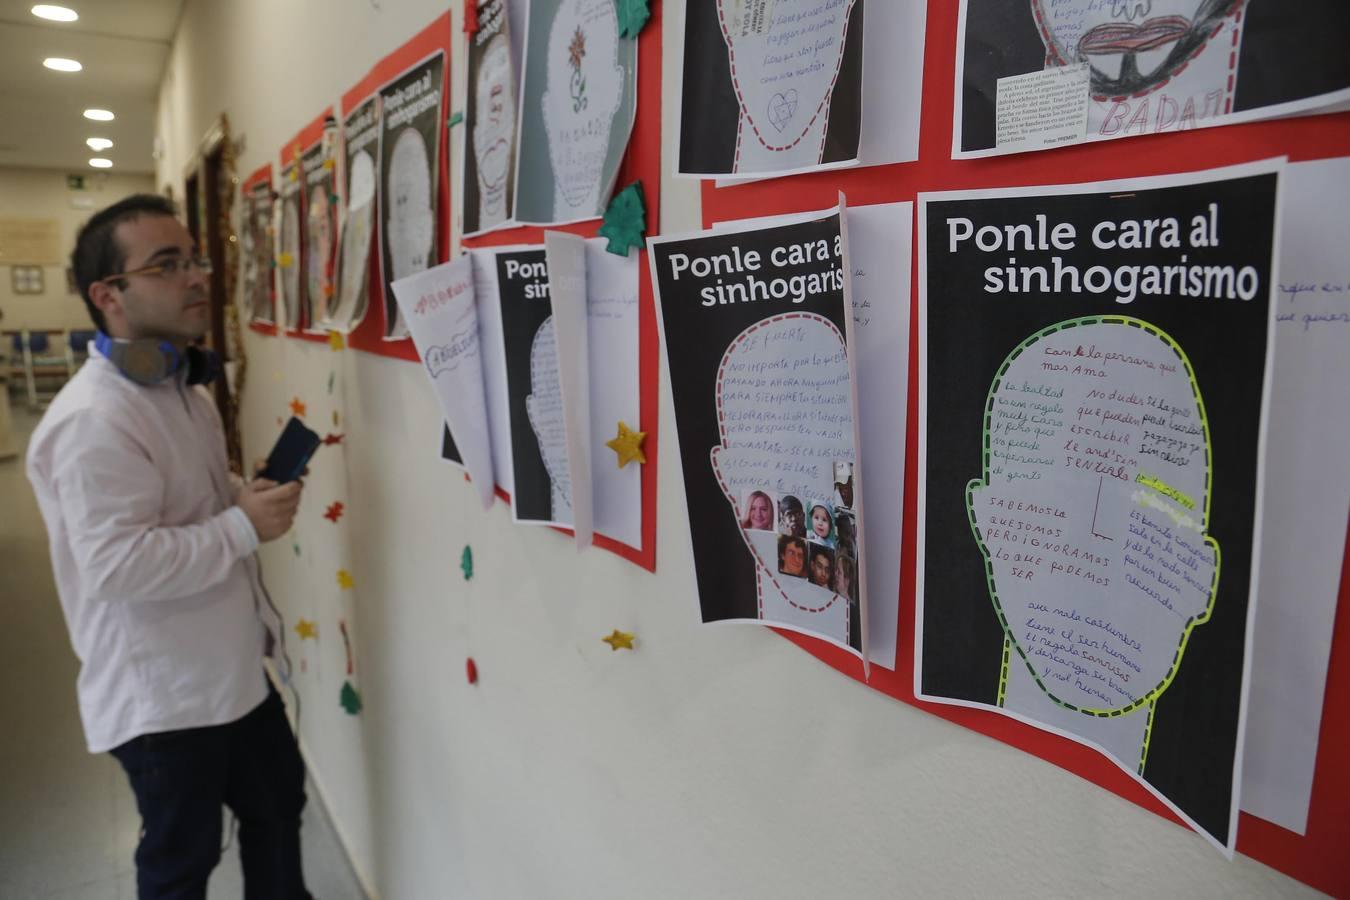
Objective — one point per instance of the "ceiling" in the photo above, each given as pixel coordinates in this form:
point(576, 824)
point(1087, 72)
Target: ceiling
point(123, 45)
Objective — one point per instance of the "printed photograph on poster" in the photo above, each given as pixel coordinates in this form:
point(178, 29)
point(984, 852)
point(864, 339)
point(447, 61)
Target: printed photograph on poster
point(321, 232)
point(1304, 518)
point(771, 87)
point(361, 143)
point(578, 104)
point(1093, 372)
point(1034, 74)
point(439, 306)
point(757, 332)
point(490, 118)
point(291, 244)
point(543, 488)
point(257, 252)
point(410, 151)
point(880, 237)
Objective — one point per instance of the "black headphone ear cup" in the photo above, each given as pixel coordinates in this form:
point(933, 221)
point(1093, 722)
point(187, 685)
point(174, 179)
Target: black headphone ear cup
point(197, 366)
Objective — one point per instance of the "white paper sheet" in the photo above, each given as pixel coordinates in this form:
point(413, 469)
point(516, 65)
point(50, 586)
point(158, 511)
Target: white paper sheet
point(439, 309)
point(613, 335)
point(494, 361)
point(1307, 494)
point(567, 293)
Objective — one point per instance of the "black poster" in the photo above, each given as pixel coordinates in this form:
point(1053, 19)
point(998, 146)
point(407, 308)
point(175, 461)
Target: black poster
point(534, 395)
point(770, 85)
point(755, 336)
point(490, 121)
point(1091, 395)
point(410, 152)
point(1154, 69)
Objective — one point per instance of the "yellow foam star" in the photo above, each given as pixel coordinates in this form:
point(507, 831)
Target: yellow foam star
point(619, 640)
point(330, 164)
point(285, 260)
point(307, 629)
point(628, 444)
point(344, 579)
point(335, 340)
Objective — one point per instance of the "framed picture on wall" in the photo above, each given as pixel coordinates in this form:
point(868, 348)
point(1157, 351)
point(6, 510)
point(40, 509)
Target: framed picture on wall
point(26, 279)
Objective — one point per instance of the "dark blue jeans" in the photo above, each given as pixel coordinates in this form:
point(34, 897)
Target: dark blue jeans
point(182, 778)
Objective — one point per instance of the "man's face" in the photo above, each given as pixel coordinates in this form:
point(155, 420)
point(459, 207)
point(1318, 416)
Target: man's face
point(821, 569)
point(794, 522)
point(794, 558)
point(173, 307)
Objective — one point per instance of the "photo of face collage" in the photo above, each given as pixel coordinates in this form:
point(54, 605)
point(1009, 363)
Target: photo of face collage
point(817, 539)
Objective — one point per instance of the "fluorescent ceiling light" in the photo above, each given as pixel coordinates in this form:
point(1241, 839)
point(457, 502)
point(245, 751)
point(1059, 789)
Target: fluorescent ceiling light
point(99, 162)
point(61, 64)
point(55, 13)
point(98, 115)
point(99, 144)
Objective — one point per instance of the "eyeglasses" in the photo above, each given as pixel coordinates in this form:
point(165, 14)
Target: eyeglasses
point(169, 268)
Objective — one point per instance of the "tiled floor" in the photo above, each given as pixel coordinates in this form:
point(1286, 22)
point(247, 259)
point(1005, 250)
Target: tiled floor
point(68, 821)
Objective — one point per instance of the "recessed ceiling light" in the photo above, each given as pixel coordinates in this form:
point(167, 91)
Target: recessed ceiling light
point(99, 144)
point(98, 115)
point(99, 162)
point(61, 64)
point(55, 13)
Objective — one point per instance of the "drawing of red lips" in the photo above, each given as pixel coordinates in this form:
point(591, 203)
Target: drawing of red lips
point(1122, 37)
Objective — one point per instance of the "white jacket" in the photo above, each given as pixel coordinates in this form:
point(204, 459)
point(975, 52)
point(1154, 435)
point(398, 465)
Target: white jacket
point(153, 559)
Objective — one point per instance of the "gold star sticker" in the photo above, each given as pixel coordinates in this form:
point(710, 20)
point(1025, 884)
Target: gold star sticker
point(335, 340)
point(344, 579)
point(307, 629)
point(628, 444)
point(285, 260)
point(619, 640)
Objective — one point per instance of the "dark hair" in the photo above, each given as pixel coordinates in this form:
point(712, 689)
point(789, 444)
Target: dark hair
point(97, 253)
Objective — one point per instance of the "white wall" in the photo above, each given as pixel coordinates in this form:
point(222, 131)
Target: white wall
point(43, 194)
point(710, 762)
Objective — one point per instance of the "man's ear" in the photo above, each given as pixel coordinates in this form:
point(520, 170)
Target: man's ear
point(106, 299)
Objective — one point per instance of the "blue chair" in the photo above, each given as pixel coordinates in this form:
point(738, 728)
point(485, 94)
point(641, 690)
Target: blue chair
point(40, 363)
point(77, 348)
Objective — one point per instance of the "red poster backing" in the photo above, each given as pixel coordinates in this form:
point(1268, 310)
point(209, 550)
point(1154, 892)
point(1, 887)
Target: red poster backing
point(291, 151)
point(369, 334)
point(261, 175)
point(1319, 858)
point(642, 162)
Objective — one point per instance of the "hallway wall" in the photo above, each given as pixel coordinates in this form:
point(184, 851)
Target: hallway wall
point(710, 762)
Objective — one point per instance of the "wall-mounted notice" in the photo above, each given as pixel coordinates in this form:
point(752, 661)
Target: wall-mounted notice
point(772, 86)
point(257, 255)
point(290, 240)
point(361, 143)
point(578, 106)
point(321, 232)
point(1307, 494)
point(490, 121)
point(410, 150)
point(1092, 432)
point(1154, 65)
point(757, 330)
point(543, 488)
point(879, 240)
point(439, 306)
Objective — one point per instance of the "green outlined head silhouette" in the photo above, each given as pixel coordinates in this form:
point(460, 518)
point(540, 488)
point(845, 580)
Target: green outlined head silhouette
point(1092, 511)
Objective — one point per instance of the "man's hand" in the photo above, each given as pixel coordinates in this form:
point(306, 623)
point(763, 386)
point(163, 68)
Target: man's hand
point(270, 506)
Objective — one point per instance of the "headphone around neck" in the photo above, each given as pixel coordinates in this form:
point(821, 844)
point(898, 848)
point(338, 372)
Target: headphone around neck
point(148, 362)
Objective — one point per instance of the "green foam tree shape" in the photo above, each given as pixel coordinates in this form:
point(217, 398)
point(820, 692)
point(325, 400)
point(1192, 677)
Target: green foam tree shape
point(466, 562)
point(633, 15)
point(350, 699)
point(625, 220)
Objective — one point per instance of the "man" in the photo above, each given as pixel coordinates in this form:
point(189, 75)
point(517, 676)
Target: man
point(152, 542)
